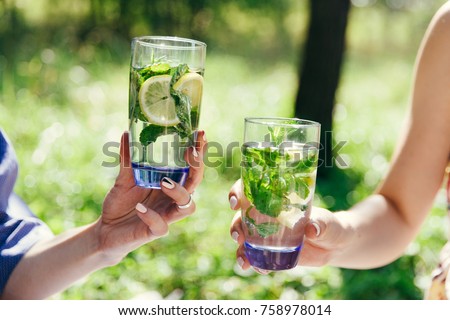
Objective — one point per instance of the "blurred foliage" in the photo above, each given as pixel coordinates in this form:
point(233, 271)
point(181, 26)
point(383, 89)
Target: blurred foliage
point(63, 97)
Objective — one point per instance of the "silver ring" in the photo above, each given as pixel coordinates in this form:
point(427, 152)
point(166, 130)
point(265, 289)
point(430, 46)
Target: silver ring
point(187, 205)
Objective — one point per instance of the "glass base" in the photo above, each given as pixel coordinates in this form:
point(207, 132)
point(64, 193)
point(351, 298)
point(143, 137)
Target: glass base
point(150, 177)
point(272, 258)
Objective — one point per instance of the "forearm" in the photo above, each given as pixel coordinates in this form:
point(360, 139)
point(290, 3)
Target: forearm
point(52, 265)
point(377, 234)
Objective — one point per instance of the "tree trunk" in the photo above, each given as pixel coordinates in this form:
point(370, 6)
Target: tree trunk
point(320, 69)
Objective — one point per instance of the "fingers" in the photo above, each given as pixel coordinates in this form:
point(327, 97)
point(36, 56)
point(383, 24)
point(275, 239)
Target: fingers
point(156, 224)
point(241, 258)
point(236, 231)
point(184, 204)
point(194, 156)
point(234, 197)
point(243, 262)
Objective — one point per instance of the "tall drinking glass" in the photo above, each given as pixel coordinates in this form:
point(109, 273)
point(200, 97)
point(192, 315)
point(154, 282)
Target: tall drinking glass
point(166, 84)
point(278, 171)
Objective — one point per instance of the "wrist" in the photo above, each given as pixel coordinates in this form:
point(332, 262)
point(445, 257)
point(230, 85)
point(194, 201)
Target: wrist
point(106, 254)
point(343, 240)
point(101, 254)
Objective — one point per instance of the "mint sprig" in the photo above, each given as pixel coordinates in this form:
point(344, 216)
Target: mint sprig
point(182, 102)
point(277, 134)
point(269, 175)
point(267, 229)
point(264, 229)
point(151, 132)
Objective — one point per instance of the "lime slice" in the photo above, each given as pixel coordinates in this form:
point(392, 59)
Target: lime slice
point(191, 84)
point(156, 102)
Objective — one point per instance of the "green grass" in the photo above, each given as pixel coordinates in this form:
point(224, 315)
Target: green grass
point(64, 110)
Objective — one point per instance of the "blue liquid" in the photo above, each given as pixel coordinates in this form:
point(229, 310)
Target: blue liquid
point(150, 177)
point(272, 259)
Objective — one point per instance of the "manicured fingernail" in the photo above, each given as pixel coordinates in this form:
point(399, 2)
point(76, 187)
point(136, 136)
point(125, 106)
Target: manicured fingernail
point(240, 261)
point(233, 202)
point(203, 136)
point(194, 152)
point(261, 271)
point(235, 236)
point(141, 208)
point(317, 227)
point(166, 182)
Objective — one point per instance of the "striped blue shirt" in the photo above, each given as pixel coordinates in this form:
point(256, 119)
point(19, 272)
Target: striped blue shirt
point(19, 228)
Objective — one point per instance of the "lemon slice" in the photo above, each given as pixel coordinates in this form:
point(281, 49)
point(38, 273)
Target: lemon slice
point(191, 84)
point(156, 102)
point(294, 198)
point(291, 217)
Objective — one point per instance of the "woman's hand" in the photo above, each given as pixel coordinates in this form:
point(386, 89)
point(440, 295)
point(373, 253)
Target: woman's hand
point(325, 236)
point(133, 216)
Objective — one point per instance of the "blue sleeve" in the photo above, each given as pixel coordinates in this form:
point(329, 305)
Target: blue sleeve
point(19, 228)
point(17, 236)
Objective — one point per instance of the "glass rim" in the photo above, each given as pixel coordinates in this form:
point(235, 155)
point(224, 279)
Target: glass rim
point(145, 41)
point(278, 121)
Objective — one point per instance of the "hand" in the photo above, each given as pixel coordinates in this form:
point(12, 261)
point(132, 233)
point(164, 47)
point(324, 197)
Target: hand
point(133, 216)
point(325, 236)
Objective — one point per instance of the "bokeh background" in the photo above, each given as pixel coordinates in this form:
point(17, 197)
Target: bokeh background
point(64, 94)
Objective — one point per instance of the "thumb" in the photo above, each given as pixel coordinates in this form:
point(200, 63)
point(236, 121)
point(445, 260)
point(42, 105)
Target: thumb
point(125, 152)
point(126, 172)
point(324, 229)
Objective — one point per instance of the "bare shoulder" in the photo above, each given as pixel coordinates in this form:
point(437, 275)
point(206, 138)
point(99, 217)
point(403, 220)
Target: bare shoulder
point(444, 10)
point(433, 62)
point(431, 94)
point(441, 21)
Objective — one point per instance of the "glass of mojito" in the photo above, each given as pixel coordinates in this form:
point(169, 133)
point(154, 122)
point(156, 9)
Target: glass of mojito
point(166, 84)
point(278, 173)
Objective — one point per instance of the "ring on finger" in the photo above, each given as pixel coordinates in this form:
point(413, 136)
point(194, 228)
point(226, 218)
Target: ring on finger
point(187, 205)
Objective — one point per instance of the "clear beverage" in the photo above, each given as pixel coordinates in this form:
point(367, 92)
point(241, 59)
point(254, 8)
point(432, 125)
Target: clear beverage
point(147, 176)
point(166, 84)
point(278, 180)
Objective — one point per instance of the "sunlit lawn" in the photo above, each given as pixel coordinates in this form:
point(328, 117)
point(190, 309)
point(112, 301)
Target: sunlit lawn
point(60, 138)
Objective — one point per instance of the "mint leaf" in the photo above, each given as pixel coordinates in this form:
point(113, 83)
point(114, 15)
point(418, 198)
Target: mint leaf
point(182, 102)
point(267, 228)
point(264, 229)
point(150, 133)
point(160, 68)
point(272, 157)
point(183, 109)
point(268, 202)
point(270, 174)
point(302, 187)
point(249, 221)
point(184, 128)
point(278, 134)
point(194, 117)
point(178, 72)
point(135, 109)
point(154, 70)
point(137, 113)
point(306, 165)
